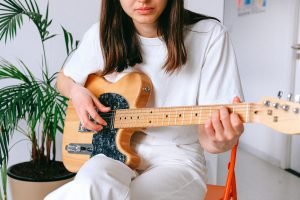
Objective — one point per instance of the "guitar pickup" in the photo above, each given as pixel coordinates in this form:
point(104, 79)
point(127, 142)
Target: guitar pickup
point(74, 148)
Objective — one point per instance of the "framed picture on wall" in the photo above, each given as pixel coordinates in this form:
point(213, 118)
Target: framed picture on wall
point(246, 7)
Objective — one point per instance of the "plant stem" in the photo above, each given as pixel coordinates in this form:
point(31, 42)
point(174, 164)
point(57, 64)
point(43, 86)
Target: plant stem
point(35, 153)
point(67, 58)
point(45, 58)
point(48, 147)
point(4, 180)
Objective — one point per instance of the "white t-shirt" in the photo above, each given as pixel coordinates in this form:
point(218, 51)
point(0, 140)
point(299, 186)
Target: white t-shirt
point(210, 75)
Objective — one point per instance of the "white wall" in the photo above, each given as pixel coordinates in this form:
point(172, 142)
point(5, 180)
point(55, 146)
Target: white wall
point(213, 8)
point(76, 17)
point(263, 46)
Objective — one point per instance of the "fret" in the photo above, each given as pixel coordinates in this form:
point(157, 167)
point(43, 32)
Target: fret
point(191, 114)
point(183, 116)
point(162, 121)
point(176, 117)
point(157, 116)
point(169, 119)
point(200, 115)
point(247, 112)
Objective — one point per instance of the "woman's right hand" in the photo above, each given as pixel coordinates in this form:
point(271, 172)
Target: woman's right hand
point(85, 104)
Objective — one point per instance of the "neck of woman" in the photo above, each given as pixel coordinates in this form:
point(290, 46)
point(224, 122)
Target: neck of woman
point(147, 30)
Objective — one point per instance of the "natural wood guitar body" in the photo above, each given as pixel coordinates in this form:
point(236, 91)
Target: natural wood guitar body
point(135, 88)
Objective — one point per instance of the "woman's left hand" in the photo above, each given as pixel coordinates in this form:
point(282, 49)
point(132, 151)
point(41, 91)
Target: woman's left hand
point(222, 131)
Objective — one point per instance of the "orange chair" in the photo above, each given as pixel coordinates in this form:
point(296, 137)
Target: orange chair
point(227, 192)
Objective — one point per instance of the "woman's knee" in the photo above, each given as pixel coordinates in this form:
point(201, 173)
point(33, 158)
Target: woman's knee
point(101, 167)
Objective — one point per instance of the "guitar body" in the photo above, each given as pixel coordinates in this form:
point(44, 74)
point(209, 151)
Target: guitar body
point(79, 144)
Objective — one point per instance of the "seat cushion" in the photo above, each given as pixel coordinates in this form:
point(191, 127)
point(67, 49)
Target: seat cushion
point(214, 192)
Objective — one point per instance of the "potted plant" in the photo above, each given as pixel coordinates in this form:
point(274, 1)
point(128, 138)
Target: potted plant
point(33, 100)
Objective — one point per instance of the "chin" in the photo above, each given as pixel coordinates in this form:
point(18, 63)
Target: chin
point(146, 21)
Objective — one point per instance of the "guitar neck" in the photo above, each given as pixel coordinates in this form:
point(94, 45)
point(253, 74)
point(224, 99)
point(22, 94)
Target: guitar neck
point(178, 116)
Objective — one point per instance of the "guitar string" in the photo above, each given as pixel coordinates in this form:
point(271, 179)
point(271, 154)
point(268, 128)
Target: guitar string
point(170, 116)
point(156, 110)
point(184, 122)
point(163, 113)
point(171, 113)
point(187, 120)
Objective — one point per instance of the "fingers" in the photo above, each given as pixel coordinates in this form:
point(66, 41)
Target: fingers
point(223, 125)
point(225, 117)
point(100, 106)
point(236, 99)
point(209, 129)
point(92, 112)
point(237, 124)
point(85, 102)
point(88, 124)
point(235, 120)
point(217, 126)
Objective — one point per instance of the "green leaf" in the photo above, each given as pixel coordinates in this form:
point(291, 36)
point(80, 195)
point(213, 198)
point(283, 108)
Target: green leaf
point(11, 12)
point(11, 18)
point(66, 36)
point(69, 41)
point(49, 37)
point(8, 70)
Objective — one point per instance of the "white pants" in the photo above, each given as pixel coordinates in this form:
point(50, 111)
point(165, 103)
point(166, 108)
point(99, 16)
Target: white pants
point(167, 172)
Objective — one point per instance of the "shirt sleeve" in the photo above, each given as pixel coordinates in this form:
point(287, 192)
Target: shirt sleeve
point(87, 58)
point(220, 80)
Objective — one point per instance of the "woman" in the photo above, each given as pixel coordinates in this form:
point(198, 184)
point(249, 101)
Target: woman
point(190, 61)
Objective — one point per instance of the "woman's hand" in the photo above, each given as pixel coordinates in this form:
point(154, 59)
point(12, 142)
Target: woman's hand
point(222, 131)
point(85, 103)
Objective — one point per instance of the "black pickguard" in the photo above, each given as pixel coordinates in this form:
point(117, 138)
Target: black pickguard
point(104, 142)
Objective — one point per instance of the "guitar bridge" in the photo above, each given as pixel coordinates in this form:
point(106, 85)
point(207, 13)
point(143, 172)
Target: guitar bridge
point(74, 148)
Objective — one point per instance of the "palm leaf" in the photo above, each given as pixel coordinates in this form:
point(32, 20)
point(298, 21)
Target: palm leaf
point(10, 71)
point(11, 18)
point(69, 43)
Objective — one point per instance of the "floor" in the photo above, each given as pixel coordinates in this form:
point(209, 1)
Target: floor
point(259, 180)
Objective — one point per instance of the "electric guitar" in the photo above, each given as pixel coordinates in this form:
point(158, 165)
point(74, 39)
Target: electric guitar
point(127, 99)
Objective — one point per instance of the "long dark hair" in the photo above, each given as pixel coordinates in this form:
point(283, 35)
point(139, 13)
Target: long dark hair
point(120, 44)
